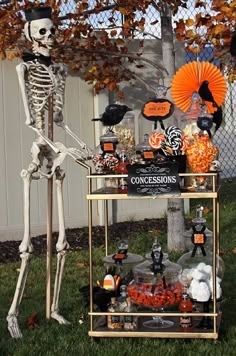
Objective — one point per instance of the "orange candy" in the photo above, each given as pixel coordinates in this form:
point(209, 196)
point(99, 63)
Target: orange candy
point(156, 139)
point(201, 153)
point(141, 294)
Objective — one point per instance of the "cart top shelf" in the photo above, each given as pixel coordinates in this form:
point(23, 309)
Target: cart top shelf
point(112, 193)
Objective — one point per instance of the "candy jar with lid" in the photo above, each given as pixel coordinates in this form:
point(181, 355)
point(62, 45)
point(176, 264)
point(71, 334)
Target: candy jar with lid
point(197, 268)
point(144, 152)
point(125, 132)
point(197, 274)
point(122, 261)
point(105, 158)
point(189, 234)
point(156, 285)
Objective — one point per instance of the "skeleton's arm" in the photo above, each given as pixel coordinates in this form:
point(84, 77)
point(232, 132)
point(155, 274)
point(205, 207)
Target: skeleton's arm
point(61, 73)
point(21, 70)
point(83, 147)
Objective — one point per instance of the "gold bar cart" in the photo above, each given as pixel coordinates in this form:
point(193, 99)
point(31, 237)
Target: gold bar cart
point(106, 194)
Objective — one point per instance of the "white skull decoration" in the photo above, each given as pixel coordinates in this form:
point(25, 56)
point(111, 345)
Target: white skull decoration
point(42, 33)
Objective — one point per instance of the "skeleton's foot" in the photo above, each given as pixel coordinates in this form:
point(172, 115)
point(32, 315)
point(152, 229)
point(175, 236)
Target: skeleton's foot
point(13, 327)
point(61, 320)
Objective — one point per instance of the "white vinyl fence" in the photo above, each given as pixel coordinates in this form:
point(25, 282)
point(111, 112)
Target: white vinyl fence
point(15, 143)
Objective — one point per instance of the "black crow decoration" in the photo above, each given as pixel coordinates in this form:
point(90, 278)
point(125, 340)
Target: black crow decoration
point(206, 94)
point(113, 114)
point(101, 297)
point(233, 45)
point(217, 118)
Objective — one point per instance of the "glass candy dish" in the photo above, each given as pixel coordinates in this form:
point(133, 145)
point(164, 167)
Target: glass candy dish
point(123, 261)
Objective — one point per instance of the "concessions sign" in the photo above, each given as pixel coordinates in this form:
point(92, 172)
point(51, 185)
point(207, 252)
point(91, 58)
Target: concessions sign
point(153, 179)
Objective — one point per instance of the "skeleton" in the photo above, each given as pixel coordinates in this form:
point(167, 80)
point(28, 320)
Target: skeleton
point(38, 82)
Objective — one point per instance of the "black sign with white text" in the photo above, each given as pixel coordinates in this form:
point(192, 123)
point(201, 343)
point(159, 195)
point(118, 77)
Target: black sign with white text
point(153, 179)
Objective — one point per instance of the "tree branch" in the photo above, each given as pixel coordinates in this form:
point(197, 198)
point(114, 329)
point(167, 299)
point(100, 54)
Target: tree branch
point(113, 54)
point(148, 86)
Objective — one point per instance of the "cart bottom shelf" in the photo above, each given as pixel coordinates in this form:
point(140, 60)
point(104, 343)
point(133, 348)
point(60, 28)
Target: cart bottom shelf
point(171, 332)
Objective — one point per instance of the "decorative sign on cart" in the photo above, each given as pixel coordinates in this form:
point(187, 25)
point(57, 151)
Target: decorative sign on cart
point(157, 109)
point(153, 179)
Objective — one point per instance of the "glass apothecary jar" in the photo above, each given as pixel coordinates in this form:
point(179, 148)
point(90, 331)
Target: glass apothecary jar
point(199, 221)
point(105, 157)
point(125, 132)
point(122, 260)
point(144, 152)
point(197, 274)
point(156, 281)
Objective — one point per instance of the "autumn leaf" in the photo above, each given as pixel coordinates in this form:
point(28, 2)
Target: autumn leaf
point(81, 265)
point(234, 250)
point(92, 69)
point(218, 29)
point(113, 33)
point(155, 232)
point(106, 80)
point(11, 55)
point(206, 211)
point(189, 22)
point(123, 11)
point(32, 321)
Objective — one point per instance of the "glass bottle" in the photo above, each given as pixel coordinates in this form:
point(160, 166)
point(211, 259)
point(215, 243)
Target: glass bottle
point(122, 169)
point(113, 321)
point(130, 321)
point(185, 306)
point(122, 299)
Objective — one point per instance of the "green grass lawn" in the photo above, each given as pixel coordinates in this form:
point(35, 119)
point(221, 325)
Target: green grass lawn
point(50, 338)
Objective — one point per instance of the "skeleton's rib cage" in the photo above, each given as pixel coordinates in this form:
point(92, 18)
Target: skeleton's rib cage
point(41, 82)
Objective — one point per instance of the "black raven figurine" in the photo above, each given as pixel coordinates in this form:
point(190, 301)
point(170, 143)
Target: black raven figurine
point(233, 45)
point(206, 94)
point(113, 114)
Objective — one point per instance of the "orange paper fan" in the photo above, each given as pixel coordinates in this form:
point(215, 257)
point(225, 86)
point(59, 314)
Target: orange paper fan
point(189, 79)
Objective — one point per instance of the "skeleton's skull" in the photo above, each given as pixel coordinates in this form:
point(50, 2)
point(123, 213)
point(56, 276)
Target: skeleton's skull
point(41, 33)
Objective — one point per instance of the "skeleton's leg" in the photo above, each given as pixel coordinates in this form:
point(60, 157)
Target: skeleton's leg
point(62, 247)
point(26, 250)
